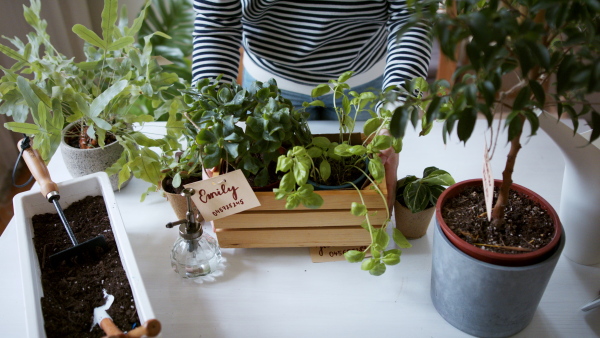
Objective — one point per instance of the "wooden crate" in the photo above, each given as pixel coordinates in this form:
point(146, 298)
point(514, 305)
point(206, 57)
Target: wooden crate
point(271, 225)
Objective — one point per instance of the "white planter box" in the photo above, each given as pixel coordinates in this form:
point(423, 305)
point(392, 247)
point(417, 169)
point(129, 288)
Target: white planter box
point(28, 204)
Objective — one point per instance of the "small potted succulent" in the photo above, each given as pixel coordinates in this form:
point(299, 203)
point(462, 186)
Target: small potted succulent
point(416, 199)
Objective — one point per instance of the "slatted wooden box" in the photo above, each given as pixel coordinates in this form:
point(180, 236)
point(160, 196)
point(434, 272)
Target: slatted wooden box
point(271, 225)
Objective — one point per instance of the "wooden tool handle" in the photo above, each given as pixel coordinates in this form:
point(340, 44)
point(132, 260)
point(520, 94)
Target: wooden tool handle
point(151, 328)
point(38, 169)
point(111, 330)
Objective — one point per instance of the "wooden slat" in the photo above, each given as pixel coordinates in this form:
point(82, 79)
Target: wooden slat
point(286, 238)
point(297, 219)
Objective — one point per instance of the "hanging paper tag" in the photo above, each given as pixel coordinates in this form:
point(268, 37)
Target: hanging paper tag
point(323, 254)
point(488, 183)
point(223, 195)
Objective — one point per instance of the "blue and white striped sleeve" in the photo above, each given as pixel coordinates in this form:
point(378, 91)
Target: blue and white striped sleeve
point(217, 38)
point(409, 57)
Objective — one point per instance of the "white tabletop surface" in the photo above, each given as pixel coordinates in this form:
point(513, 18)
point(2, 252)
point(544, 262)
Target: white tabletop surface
point(281, 293)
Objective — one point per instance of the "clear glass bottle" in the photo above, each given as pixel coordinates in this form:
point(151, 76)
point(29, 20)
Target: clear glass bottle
point(194, 253)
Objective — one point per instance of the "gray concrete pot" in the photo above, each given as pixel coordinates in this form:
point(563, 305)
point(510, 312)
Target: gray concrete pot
point(81, 162)
point(483, 299)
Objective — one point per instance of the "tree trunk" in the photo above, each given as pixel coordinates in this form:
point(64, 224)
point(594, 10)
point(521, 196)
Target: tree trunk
point(502, 201)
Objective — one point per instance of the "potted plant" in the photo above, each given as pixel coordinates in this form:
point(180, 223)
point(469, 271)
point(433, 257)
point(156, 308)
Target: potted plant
point(93, 101)
point(416, 199)
point(346, 160)
point(537, 41)
point(271, 126)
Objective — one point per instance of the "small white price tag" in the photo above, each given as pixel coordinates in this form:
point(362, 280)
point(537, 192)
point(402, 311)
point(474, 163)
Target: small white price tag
point(223, 195)
point(488, 183)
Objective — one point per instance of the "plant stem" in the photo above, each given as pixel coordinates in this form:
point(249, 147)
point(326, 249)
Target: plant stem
point(502, 202)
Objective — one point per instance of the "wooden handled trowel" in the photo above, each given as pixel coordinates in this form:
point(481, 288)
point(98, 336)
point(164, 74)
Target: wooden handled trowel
point(49, 189)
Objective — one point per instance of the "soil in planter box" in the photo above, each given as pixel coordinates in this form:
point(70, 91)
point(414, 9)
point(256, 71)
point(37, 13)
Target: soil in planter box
point(527, 226)
point(72, 292)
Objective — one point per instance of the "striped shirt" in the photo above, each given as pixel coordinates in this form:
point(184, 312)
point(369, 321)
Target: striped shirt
point(307, 42)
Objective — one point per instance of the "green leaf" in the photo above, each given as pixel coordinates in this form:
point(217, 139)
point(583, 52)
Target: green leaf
point(391, 259)
point(466, 123)
point(325, 170)
point(12, 53)
point(176, 180)
point(121, 43)
point(320, 90)
point(399, 239)
point(89, 36)
point(109, 19)
point(21, 127)
point(538, 92)
point(372, 125)
point(368, 264)
point(416, 196)
point(354, 256)
point(438, 177)
point(314, 201)
point(358, 209)
point(104, 99)
point(399, 121)
point(522, 98)
point(378, 269)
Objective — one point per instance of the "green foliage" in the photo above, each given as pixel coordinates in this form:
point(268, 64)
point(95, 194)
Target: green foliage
point(318, 159)
point(100, 93)
point(552, 45)
point(418, 194)
point(271, 122)
point(176, 19)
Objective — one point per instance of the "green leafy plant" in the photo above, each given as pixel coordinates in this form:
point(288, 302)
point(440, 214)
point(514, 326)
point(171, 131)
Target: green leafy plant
point(271, 125)
point(324, 158)
point(347, 153)
point(99, 94)
point(551, 46)
point(176, 19)
point(418, 194)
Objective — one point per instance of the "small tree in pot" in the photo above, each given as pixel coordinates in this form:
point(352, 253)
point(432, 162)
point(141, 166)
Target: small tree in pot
point(540, 41)
point(552, 46)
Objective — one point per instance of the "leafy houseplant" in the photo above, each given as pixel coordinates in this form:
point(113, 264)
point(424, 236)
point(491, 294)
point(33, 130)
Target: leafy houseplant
point(99, 94)
point(416, 198)
point(319, 159)
point(271, 125)
point(552, 46)
point(418, 194)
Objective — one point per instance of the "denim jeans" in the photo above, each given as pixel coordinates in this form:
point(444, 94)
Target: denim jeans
point(327, 112)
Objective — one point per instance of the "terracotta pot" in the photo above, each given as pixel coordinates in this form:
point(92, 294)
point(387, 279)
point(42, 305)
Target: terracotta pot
point(412, 225)
point(179, 204)
point(81, 162)
point(521, 259)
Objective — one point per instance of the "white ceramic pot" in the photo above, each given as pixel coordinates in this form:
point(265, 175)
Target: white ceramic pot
point(30, 203)
point(579, 210)
point(81, 162)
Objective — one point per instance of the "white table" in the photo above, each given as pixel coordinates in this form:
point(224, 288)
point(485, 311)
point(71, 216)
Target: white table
point(281, 293)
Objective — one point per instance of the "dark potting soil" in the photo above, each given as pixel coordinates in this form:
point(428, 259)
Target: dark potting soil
point(168, 184)
point(71, 292)
point(342, 171)
point(527, 226)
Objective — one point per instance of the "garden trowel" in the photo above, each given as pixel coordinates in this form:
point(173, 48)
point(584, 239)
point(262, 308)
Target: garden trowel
point(49, 189)
point(151, 328)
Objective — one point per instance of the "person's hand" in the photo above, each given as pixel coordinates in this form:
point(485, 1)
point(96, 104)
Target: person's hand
point(390, 160)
